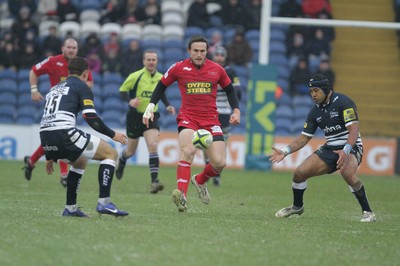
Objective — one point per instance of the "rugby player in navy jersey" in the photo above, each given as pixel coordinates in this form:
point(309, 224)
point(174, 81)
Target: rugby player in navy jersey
point(56, 67)
point(223, 107)
point(62, 141)
point(336, 115)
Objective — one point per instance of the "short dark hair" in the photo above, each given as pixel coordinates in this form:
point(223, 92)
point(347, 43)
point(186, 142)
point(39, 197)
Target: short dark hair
point(197, 38)
point(77, 65)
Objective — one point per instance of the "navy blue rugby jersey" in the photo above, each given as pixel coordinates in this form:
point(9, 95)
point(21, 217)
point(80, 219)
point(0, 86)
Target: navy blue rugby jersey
point(223, 106)
point(63, 103)
point(332, 118)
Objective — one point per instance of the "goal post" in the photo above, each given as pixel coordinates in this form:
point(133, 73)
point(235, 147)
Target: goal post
point(267, 20)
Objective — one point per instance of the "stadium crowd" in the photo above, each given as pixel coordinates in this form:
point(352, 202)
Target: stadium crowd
point(34, 31)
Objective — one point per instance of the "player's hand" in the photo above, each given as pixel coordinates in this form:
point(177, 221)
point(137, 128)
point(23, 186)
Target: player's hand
point(49, 167)
point(342, 158)
point(235, 117)
point(276, 156)
point(134, 102)
point(120, 137)
point(148, 114)
point(171, 109)
point(36, 96)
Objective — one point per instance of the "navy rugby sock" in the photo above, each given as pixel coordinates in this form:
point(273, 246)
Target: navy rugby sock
point(154, 164)
point(106, 173)
point(361, 196)
point(298, 197)
point(73, 181)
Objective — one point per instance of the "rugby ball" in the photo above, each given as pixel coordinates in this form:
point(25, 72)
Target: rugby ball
point(202, 139)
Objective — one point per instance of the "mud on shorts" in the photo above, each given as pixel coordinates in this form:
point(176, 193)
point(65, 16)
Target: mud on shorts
point(134, 123)
point(326, 154)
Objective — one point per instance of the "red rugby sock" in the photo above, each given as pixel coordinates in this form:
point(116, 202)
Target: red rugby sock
point(183, 176)
point(63, 168)
point(207, 173)
point(36, 155)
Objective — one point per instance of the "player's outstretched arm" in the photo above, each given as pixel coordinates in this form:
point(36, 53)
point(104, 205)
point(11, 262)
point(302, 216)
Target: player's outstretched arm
point(97, 124)
point(120, 137)
point(277, 155)
point(35, 94)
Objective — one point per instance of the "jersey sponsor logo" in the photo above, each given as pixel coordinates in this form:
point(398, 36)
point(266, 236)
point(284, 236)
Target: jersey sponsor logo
point(146, 94)
point(216, 129)
point(59, 89)
point(212, 73)
point(88, 102)
point(106, 177)
point(50, 148)
point(349, 115)
point(47, 118)
point(187, 68)
point(334, 114)
point(60, 64)
point(198, 87)
point(46, 125)
point(331, 129)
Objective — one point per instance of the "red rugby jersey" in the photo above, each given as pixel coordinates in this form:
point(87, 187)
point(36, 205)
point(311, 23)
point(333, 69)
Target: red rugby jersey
point(198, 86)
point(56, 67)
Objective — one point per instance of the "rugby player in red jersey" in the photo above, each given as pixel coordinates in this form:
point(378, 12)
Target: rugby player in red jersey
point(198, 79)
point(57, 69)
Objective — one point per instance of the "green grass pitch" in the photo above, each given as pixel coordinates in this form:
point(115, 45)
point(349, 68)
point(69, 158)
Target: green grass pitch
point(238, 227)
